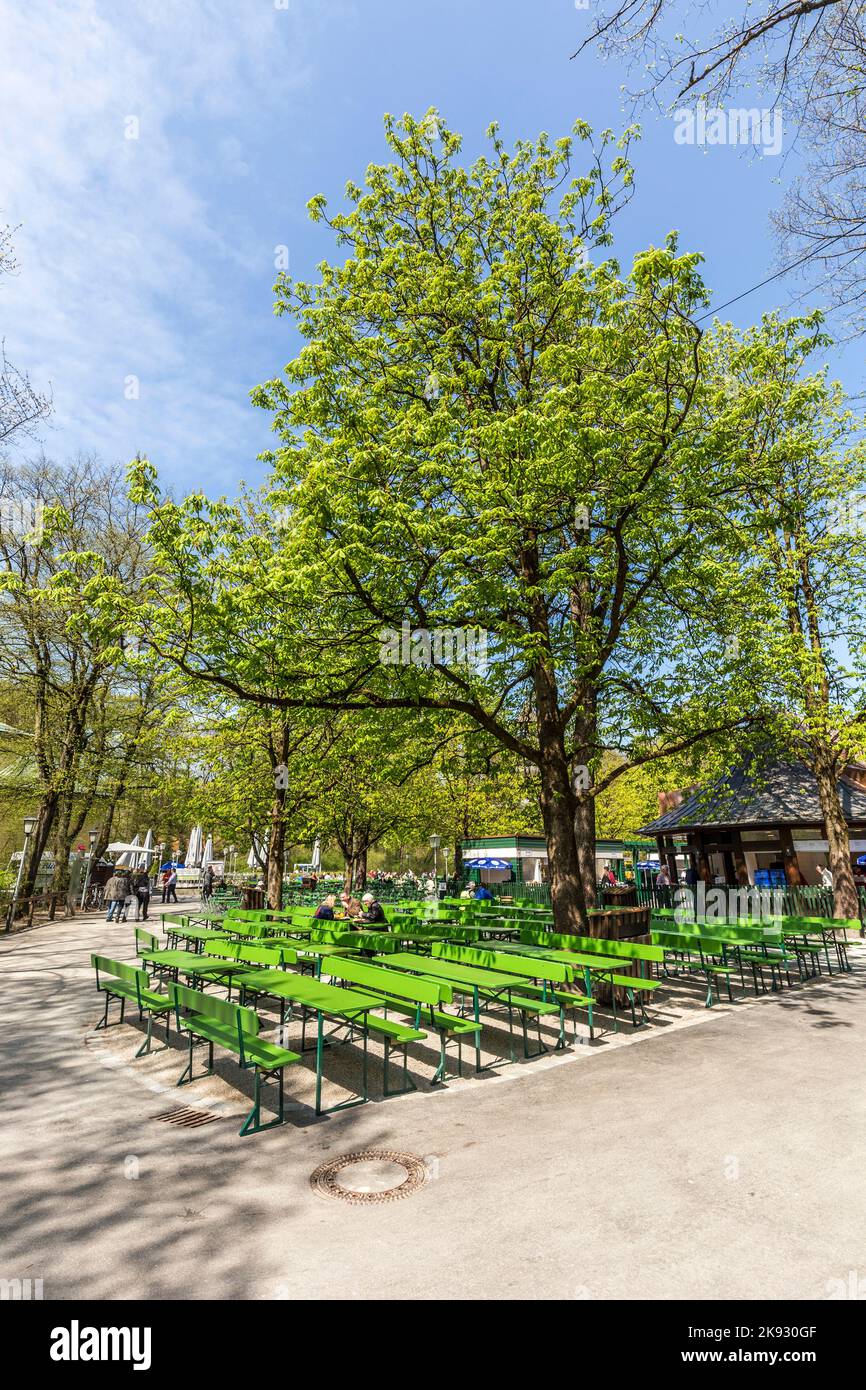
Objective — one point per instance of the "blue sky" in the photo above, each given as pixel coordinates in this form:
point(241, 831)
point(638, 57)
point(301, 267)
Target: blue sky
point(153, 257)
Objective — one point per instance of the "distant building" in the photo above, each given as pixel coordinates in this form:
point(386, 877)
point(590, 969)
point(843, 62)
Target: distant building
point(524, 857)
point(762, 820)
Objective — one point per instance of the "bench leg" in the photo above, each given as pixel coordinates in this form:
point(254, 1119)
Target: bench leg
point(186, 1074)
point(343, 1104)
point(439, 1074)
point(527, 1055)
point(408, 1083)
point(103, 1022)
point(146, 1046)
point(253, 1123)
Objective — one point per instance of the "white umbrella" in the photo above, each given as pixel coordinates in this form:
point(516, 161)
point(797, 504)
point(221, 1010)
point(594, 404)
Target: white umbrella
point(257, 845)
point(127, 858)
point(193, 853)
point(144, 858)
point(317, 855)
point(537, 877)
point(208, 852)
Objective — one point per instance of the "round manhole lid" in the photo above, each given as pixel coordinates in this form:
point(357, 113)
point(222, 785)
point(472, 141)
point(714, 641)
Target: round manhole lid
point(371, 1175)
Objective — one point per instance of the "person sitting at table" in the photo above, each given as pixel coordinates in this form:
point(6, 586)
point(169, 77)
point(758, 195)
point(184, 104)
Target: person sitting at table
point(351, 906)
point(325, 911)
point(483, 894)
point(373, 911)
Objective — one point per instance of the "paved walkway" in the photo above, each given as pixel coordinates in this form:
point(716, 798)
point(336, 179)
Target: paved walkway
point(721, 1158)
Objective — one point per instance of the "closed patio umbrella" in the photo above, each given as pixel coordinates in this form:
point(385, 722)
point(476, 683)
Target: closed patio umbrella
point(129, 857)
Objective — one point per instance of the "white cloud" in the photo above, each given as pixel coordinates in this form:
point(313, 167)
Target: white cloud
point(126, 247)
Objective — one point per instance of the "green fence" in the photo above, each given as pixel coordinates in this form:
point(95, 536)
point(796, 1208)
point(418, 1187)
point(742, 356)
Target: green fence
point(791, 902)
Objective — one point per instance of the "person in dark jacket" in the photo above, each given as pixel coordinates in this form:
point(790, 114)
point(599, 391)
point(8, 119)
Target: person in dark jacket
point(115, 896)
point(373, 911)
point(141, 888)
point(325, 911)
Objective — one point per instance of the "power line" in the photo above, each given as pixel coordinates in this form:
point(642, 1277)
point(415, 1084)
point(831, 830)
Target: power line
point(817, 251)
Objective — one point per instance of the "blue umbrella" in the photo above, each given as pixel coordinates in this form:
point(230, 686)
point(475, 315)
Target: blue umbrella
point(487, 864)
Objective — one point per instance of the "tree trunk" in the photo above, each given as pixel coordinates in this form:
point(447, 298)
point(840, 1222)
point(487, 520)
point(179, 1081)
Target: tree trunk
point(360, 874)
point(845, 901)
point(584, 838)
point(557, 814)
point(276, 844)
point(348, 848)
point(44, 824)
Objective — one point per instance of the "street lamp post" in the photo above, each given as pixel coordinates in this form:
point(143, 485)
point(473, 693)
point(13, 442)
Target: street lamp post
point(29, 823)
point(92, 837)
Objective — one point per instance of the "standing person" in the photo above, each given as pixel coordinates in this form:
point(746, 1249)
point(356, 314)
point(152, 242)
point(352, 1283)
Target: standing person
point(164, 882)
point(115, 896)
point(171, 886)
point(207, 883)
point(141, 886)
point(664, 878)
point(128, 895)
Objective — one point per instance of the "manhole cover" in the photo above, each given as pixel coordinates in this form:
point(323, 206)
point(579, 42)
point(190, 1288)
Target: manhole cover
point(372, 1175)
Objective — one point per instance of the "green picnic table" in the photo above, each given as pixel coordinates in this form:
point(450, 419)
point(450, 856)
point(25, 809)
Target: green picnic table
point(308, 952)
point(287, 929)
point(206, 914)
point(196, 963)
point(314, 995)
point(471, 980)
point(201, 934)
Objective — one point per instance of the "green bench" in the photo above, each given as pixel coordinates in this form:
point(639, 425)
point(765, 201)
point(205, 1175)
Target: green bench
point(528, 1001)
point(410, 994)
point(711, 960)
point(606, 948)
point(758, 947)
point(121, 981)
point(230, 1026)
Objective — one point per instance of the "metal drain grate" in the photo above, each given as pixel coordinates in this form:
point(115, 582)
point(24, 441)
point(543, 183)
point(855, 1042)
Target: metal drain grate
point(370, 1175)
point(185, 1117)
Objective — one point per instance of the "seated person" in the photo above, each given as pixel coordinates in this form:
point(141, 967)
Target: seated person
point(351, 906)
point(325, 911)
point(373, 911)
point(483, 894)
